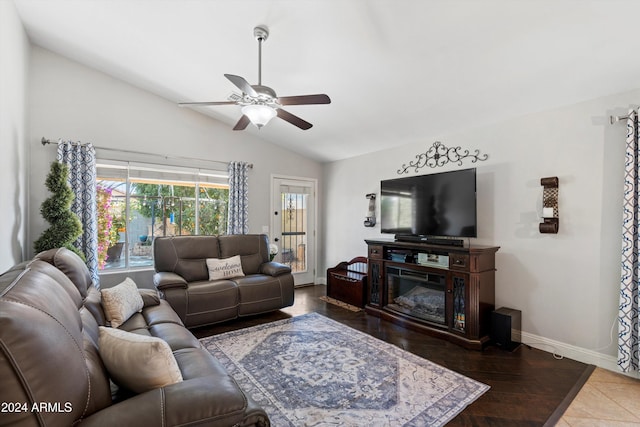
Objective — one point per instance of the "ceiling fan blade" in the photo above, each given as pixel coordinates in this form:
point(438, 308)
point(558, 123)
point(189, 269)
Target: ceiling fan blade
point(242, 123)
point(242, 84)
point(183, 104)
point(293, 119)
point(304, 99)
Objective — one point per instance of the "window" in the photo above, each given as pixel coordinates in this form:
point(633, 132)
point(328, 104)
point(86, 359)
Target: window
point(138, 202)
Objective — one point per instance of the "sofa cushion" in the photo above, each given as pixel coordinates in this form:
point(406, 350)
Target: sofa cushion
point(167, 279)
point(252, 248)
point(93, 303)
point(121, 301)
point(71, 265)
point(274, 269)
point(149, 297)
point(197, 362)
point(161, 313)
point(185, 256)
point(226, 268)
point(138, 362)
point(177, 336)
point(258, 294)
point(76, 270)
point(211, 302)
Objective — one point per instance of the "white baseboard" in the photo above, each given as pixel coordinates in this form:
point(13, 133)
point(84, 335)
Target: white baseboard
point(580, 354)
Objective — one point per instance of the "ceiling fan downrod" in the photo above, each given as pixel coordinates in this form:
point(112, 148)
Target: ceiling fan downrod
point(261, 34)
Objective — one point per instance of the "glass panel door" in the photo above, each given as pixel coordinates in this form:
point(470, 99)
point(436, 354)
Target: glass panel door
point(293, 227)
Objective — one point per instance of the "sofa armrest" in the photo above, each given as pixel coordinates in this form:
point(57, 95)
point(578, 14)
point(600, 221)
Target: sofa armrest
point(209, 400)
point(166, 280)
point(273, 268)
point(149, 297)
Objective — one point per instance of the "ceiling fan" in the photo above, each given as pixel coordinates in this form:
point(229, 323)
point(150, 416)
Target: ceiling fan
point(260, 103)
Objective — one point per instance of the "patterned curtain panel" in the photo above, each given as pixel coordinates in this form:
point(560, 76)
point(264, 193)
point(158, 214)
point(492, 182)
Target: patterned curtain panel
point(238, 198)
point(81, 159)
point(628, 320)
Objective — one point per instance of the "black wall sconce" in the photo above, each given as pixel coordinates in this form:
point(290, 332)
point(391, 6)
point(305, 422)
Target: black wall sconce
point(550, 213)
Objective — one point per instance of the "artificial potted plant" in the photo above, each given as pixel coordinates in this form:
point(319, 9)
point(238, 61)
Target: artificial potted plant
point(64, 225)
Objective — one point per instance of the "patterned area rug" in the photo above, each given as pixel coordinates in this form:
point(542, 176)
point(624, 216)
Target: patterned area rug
point(312, 371)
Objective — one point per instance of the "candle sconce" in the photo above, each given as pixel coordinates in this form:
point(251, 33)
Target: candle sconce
point(370, 219)
point(550, 214)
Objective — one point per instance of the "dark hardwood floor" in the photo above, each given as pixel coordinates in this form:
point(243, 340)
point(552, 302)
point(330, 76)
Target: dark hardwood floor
point(529, 387)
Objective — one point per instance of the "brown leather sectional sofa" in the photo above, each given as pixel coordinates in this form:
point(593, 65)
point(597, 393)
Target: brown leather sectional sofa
point(182, 278)
point(52, 373)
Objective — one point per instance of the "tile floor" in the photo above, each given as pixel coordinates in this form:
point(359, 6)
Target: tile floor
point(607, 399)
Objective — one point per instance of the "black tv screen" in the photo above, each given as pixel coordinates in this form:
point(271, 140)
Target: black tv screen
point(439, 204)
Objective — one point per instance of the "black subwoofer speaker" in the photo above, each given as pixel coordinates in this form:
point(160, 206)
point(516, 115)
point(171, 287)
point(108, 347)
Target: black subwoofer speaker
point(506, 324)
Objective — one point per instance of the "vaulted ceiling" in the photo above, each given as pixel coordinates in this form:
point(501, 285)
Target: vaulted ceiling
point(397, 71)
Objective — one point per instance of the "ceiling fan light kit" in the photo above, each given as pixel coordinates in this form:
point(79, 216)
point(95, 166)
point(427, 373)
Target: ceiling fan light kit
point(260, 103)
point(259, 114)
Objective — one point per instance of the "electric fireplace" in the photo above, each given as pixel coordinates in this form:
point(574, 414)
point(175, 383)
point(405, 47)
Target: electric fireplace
point(417, 294)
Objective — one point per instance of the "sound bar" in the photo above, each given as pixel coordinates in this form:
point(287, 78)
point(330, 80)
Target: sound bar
point(443, 241)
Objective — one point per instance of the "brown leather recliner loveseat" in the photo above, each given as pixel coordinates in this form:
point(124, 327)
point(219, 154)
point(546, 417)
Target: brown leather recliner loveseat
point(52, 372)
point(182, 278)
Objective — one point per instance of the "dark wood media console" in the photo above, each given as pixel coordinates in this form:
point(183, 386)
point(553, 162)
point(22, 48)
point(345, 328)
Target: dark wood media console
point(446, 291)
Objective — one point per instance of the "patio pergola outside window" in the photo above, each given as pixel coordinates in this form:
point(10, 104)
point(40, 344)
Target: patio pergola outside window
point(144, 201)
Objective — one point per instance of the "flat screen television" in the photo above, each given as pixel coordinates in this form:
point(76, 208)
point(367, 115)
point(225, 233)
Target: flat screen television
point(439, 204)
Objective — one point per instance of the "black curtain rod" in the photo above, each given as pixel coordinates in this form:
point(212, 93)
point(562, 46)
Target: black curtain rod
point(46, 141)
point(615, 119)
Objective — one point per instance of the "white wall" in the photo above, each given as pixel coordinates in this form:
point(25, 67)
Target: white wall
point(14, 67)
point(71, 101)
point(566, 284)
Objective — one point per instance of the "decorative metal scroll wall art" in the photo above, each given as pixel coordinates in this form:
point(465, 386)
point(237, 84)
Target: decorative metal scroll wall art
point(439, 155)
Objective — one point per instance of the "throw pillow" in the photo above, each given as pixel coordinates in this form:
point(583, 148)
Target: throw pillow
point(224, 268)
point(137, 362)
point(121, 301)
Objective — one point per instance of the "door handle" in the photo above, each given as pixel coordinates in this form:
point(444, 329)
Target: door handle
point(276, 240)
